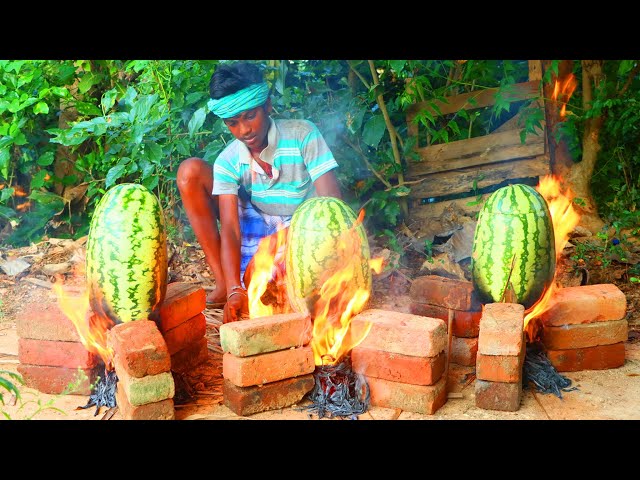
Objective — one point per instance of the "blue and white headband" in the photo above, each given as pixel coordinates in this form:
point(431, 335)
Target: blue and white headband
point(245, 99)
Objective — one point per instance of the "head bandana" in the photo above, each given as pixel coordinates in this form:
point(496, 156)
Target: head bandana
point(245, 99)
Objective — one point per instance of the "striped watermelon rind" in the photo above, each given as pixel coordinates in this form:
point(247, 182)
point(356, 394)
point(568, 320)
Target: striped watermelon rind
point(126, 257)
point(310, 255)
point(515, 220)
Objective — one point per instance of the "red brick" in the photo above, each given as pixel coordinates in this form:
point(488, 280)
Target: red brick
point(54, 380)
point(585, 304)
point(444, 292)
point(267, 367)
point(498, 395)
point(500, 368)
point(45, 321)
point(425, 399)
point(397, 367)
point(600, 357)
point(140, 347)
point(187, 332)
point(403, 333)
point(162, 410)
point(584, 335)
point(270, 396)
point(266, 334)
point(464, 324)
point(501, 329)
point(182, 301)
point(190, 356)
point(55, 354)
point(464, 350)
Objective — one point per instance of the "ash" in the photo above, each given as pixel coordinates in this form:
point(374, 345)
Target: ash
point(104, 392)
point(339, 392)
point(540, 372)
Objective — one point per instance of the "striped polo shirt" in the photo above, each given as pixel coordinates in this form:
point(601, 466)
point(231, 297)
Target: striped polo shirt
point(298, 155)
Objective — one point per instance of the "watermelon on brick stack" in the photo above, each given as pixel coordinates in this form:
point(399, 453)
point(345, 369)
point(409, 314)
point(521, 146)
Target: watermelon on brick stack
point(312, 250)
point(126, 265)
point(514, 241)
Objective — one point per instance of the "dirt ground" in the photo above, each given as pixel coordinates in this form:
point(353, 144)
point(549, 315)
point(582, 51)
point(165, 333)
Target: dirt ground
point(601, 395)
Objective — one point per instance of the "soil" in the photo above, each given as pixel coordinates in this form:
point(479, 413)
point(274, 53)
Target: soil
point(601, 394)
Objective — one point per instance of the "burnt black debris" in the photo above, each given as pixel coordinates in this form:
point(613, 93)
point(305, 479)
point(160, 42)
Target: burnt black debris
point(540, 372)
point(104, 392)
point(338, 392)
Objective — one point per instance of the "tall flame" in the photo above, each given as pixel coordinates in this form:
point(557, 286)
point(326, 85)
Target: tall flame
point(564, 218)
point(340, 300)
point(562, 92)
point(92, 328)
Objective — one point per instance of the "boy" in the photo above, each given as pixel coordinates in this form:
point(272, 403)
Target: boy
point(257, 181)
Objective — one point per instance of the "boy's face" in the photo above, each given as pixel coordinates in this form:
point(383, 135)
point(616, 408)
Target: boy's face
point(251, 127)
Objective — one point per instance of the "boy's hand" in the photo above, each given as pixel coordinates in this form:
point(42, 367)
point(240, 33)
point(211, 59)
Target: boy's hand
point(236, 308)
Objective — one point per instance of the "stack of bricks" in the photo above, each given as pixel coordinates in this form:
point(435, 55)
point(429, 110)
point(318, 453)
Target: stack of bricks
point(268, 362)
point(50, 352)
point(435, 296)
point(584, 328)
point(402, 358)
point(145, 386)
point(183, 325)
point(501, 351)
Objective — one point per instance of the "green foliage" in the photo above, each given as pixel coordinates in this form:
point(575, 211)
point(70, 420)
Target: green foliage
point(135, 121)
point(31, 404)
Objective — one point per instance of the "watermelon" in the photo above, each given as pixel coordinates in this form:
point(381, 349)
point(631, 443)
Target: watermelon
point(513, 242)
point(312, 246)
point(126, 259)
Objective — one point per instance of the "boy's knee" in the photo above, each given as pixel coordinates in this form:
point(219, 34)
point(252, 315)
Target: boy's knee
point(189, 171)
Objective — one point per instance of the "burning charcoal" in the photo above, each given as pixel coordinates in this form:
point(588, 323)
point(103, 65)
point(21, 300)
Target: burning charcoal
point(104, 392)
point(539, 371)
point(339, 391)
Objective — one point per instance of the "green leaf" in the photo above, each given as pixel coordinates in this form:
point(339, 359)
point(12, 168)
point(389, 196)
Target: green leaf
point(397, 65)
point(197, 120)
point(60, 91)
point(150, 182)
point(37, 181)
point(108, 100)
point(41, 107)
point(153, 152)
point(114, 174)
point(6, 193)
point(373, 131)
point(88, 80)
point(47, 198)
point(6, 212)
point(523, 136)
point(4, 163)
point(89, 109)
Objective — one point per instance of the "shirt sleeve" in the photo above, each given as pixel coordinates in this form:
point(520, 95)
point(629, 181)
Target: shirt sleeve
point(226, 177)
point(316, 153)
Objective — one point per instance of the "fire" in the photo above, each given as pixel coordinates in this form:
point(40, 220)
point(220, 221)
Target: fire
point(564, 218)
point(91, 327)
point(268, 277)
point(339, 298)
point(562, 92)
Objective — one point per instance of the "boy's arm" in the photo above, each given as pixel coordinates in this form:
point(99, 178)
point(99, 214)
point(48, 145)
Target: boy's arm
point(230, 256)
point(327, 186)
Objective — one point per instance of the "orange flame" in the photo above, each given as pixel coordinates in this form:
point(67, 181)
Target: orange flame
point(340, 300)
point(562, 92)
point(564, 218)
point(19, 191)
point(23, 206)
point(92, 328)
point(268, 277)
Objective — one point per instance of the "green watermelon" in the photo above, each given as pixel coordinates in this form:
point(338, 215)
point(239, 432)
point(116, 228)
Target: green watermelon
point(312, 243)
point(126, 259)
point(514, 241)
